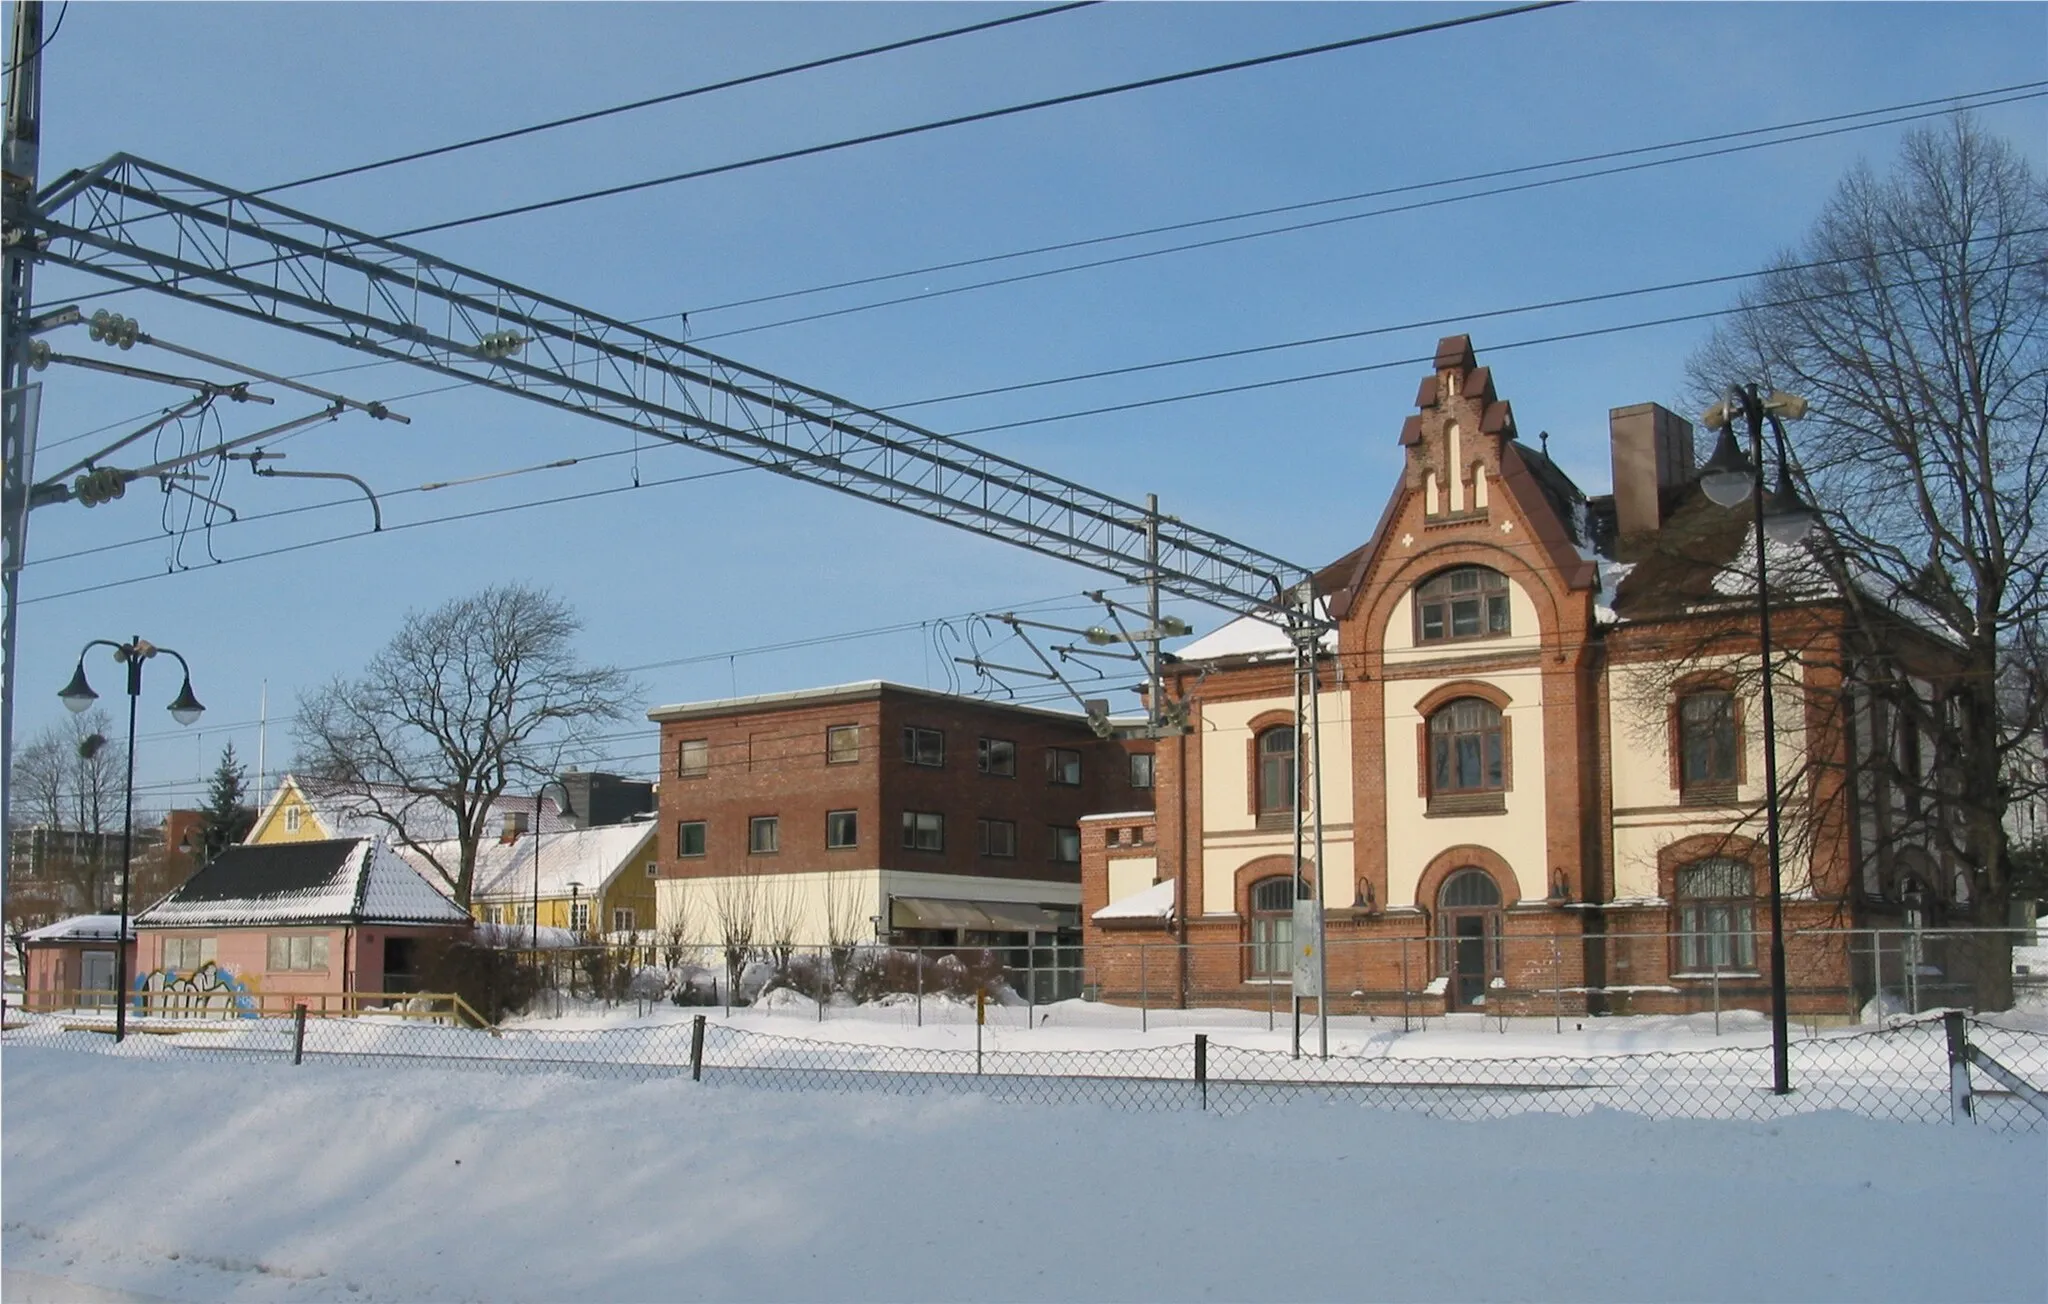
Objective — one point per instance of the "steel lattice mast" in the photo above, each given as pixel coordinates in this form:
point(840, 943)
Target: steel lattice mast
point(146, 225)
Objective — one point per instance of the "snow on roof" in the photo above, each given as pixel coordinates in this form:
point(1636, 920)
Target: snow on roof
point(81, 928)
point(1155, 902)
point(1121, 815)
point(1252, 636)
point(589, 857)
point(336, 880)
point(344, 810)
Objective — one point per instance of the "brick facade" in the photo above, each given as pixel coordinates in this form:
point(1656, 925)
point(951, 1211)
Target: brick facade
point(1583, 882)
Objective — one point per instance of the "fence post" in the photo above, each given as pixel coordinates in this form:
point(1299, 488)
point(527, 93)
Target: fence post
point(1404, 985)
point(1270, 1010)
point(1557, 984)
point(1144, 992)
point(1961, 1107)
point(1202, 1065)
point(1877, 950)
point(696, 1048)
point(1717, 996)
point(920, 986)
point(824, 983)
point(980, 1017)
point(299, 1034)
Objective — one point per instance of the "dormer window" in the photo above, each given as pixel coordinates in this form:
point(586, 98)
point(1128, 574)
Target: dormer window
point(1468, 602)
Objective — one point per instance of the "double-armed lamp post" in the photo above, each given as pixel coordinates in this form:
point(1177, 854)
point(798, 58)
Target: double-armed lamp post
point(78, 696)
point(1729, 478)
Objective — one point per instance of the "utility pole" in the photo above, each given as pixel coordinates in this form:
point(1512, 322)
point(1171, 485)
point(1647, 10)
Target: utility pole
point(19, 407)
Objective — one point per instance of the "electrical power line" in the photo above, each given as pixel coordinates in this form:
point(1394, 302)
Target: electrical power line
point(1388, 364)
point(985, 115)
point(1340, 220)
point(1952, 101)
point(673, 96)
point(1132, 369)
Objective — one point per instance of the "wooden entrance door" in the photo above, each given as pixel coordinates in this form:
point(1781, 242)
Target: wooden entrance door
point(1469, 915)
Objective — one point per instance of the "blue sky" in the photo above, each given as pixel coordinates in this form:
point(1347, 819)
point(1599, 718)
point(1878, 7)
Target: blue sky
point(249, 95)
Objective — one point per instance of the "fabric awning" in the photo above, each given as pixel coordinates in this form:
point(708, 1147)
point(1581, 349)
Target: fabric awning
point(978, 916)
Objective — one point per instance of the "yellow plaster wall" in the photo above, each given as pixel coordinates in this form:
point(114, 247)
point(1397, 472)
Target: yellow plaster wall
point(1401, 649)
point(1131, 875)
point(1519, 836)
point(1231, 837)
point(1647, 813)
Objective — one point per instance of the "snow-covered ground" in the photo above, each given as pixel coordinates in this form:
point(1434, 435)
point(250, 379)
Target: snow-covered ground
point(209, 1180)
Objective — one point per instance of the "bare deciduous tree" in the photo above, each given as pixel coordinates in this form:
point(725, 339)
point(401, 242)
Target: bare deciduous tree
point(68, 783)
point(781, 915)
point(1912, 318)
point(846, 921)
point(736, 910)
point(481, 695)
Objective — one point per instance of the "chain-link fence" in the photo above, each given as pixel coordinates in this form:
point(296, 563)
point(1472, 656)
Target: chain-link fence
point(1906, 1071)
point(1833, 975)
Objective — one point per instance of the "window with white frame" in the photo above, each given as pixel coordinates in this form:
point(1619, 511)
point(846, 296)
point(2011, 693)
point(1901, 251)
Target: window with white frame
point(523, 915)
point(299, 951)
point(689, 838)
point(842, 744)
point(184, 954)
point(579, 916)
point(693, 758)
point(1272, 928)
point(294, 817)
point(622, 919)
point(1714, 900)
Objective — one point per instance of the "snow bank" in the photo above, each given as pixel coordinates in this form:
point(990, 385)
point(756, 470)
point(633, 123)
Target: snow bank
point(463, 1186)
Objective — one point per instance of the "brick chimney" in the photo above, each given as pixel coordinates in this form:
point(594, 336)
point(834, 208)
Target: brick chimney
point(1653, 454)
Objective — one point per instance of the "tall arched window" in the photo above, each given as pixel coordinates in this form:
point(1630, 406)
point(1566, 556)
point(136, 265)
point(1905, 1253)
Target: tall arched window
point(1275, 782)
point(1272, 927)
point(1707, 755)
point(1467, 602)
point(1466, 751)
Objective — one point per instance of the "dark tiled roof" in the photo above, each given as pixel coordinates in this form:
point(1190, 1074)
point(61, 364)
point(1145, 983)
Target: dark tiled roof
point(1674, 568)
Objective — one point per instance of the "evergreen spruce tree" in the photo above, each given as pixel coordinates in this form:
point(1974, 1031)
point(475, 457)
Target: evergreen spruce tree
point(226, 819)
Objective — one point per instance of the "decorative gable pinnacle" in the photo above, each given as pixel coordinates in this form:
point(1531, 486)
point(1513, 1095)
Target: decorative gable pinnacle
point(1454, 441)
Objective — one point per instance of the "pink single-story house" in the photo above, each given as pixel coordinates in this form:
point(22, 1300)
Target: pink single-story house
point(343, 915)
point(72, 960)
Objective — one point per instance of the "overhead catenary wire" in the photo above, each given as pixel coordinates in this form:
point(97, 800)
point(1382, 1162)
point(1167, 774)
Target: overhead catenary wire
point(672, 97)
point(1133, 405)
point(1132, 369)
point(986, 115)
point(1954, 100)
point(1294, 228)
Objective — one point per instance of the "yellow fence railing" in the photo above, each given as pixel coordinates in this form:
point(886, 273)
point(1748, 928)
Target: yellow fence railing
point(96, 1005)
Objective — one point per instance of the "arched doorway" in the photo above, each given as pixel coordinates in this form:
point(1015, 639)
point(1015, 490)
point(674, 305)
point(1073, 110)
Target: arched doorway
point(1469, 921)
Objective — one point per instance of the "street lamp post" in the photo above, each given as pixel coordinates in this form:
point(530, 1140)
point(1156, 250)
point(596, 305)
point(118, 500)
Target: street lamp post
point(539, 795)
point(77, 696)
point(1728, 479)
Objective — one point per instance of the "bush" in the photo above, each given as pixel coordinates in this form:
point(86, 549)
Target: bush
point(495, 983)
point(875, 973)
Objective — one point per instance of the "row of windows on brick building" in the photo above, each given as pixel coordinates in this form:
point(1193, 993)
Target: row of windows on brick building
point(1466, 768)
point(920, 831)
point(925, 747)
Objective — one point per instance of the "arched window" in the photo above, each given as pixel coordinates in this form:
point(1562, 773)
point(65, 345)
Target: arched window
point(1272, 927)
point(1466, 754)
point(1713, 899)
point(1275, 781)
point(1467, 602)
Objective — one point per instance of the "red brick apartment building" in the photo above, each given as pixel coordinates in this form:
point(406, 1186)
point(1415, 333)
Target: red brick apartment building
point(875, 810)
point(1540, 755)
